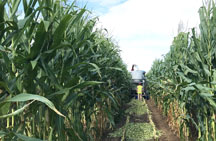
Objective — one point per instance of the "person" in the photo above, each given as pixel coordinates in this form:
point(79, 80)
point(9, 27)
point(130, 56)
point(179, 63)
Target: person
point(139, 91)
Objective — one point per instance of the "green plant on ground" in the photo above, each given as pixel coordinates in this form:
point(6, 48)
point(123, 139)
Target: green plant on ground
point(136, 107)
point(137, 131)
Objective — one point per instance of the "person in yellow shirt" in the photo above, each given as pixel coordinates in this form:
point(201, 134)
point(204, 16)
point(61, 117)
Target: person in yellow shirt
point(139, 91)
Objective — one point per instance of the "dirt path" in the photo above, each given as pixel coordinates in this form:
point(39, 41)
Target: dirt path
point(160, 123)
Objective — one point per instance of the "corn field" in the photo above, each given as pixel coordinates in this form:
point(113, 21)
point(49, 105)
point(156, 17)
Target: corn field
point(61, 78)
point(183, 83)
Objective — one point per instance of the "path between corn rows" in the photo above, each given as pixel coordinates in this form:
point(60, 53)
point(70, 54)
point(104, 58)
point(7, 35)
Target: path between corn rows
point(159, 122)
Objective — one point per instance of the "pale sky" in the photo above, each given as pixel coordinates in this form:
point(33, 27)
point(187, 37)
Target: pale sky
point(144, 29)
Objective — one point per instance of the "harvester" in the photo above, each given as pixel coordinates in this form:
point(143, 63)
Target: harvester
point(138, 77)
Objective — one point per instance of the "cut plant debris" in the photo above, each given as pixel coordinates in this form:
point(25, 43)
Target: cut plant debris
point(137, 131)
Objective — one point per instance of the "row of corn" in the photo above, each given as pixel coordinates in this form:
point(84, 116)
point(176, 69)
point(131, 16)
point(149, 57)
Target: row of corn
point(183, 83)
point(61, 77)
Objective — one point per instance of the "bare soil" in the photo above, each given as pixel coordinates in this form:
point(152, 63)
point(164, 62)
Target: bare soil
point(160, 123)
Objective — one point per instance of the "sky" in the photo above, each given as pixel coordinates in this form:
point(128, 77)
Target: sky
point(144, 29)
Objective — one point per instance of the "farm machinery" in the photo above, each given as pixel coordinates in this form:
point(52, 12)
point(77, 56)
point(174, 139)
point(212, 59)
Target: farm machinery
point(138, 77)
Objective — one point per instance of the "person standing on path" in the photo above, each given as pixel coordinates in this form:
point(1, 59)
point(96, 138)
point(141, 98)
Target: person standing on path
point(139, 91)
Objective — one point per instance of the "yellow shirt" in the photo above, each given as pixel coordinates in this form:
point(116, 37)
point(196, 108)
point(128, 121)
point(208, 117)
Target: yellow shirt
point(139, 89)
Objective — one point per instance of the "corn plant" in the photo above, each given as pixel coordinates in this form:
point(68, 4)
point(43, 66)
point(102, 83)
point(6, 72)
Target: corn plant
point(61, 78)
point(183, 82)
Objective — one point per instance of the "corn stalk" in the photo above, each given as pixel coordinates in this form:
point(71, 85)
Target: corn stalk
point(186, 76)
point(52, 53)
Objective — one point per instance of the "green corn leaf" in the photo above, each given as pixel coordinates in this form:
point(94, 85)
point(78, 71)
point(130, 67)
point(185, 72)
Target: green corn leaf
point(111, 97)
point(74, 81)
point(87, 83)
point(17, 111)
point(15, 5)
point(2, 48)
point(188, 89)
point(202, 88)
point(58, 35)
point(214, 76)
point(78, 86)
point(7, 61)
point(2, 133)
point(79, 16)
point(190, 70)
point(51, 74)
point(213, 83)
point(114, 68)
point(211, 101)
point(198, 56)
point(21, 23)
point(96, 68)
point(39, 40)
point(5, 86)
point(26, 138)
point(46, 25)
point(206, 94)
point(206, 70)
point(184, 78)
point(25, 5)
point(2, 13)
point(4, 107)
point(62, 91)
point(26, 97)
point(33, 63)
point(110, 117)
